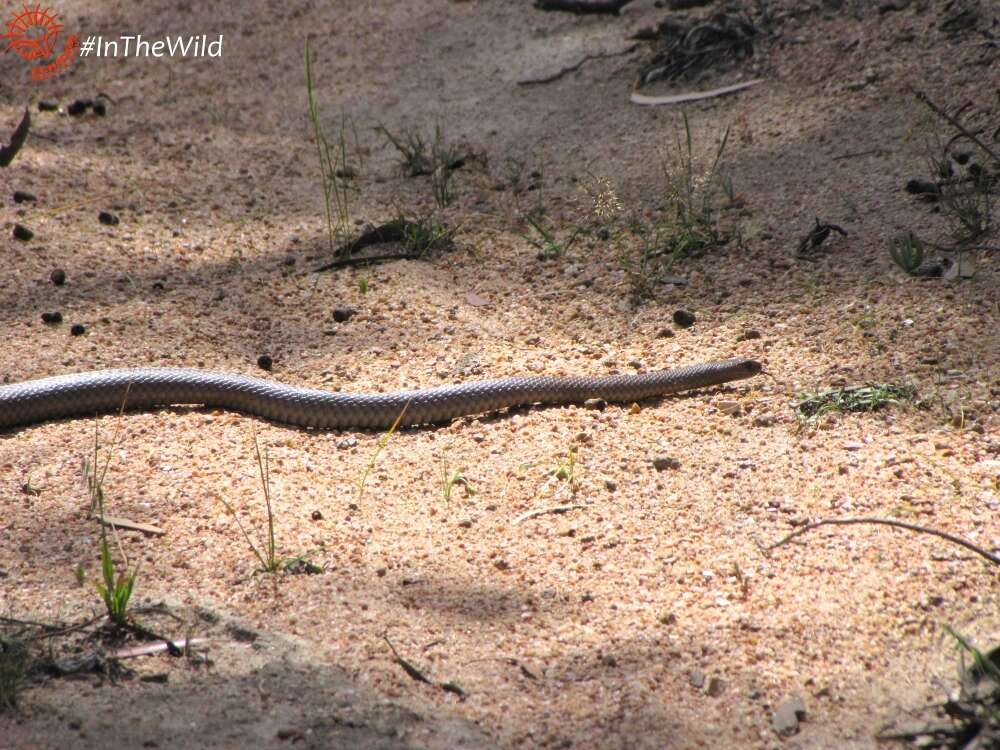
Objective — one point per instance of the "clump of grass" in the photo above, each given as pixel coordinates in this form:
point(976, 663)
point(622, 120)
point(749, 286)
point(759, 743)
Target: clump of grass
point(865, 398)
point(418, 157)
point(548, 244)
point(264, 550)
point(425, 235)
point(115, 586)
point(337, 171)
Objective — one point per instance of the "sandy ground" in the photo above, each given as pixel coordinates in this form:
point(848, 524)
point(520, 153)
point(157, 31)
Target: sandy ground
point(647, 617)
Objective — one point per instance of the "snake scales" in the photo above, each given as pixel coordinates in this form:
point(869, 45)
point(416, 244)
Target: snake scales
point(103, 391)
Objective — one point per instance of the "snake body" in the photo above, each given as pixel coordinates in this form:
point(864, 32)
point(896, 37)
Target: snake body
point(104, 391)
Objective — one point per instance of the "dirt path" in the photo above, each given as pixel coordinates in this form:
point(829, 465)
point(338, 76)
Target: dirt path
point(648, 617)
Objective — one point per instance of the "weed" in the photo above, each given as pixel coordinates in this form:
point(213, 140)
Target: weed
point(566, 470)
point(548, 246)
point(449, 479)
point(418, 158)
point(363, 285)
point(382, 443)
point(336, 171)
point(425, 235)
point(907, 252)
point(865, 398)
point(115, 587)
point(266, 552)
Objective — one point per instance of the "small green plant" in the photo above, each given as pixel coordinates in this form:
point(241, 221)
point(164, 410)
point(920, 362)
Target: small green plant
point(425, 235)
point(907, 252)
point(336, 170)
point(548, 245)
point(451, 478)
point(865, 398)
point(382, 443)
point(13, 665)
point(266, 551)
point(566, 470)
point(418, 158)
point(363, 285)
point(115, 586)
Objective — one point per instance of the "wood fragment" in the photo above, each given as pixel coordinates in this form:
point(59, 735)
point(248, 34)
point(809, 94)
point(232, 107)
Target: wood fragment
point(124, 523)
point(543, 511)
point(411, 670)
point(886, 522)
point(17, 139)
point(692, 96)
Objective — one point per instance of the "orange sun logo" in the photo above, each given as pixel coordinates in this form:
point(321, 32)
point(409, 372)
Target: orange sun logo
point(32, 34)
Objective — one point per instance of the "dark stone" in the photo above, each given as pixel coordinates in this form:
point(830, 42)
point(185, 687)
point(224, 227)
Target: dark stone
point(78, 107)
point(665, 463)
point(748, 334)
point(683, 318)
point(22, 233)
point(22, 197)
point(107, 218)
point(100, 109)
point(52, 318)
point(265, 362)
point(343, 314)
point(922, 187)
point(47, 106)
point(58, 277)
point(78, 329)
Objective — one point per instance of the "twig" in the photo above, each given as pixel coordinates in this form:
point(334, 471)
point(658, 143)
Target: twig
point(693, 95)
point(124, 523)
point(886, 522)
point(542, 511)
point(576, 66)
point(956, 124)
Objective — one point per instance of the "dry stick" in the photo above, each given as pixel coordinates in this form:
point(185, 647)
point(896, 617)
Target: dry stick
point(956, 124)
point(542, 511)
point(609, 7)
point(576, 66)
point(887, 522)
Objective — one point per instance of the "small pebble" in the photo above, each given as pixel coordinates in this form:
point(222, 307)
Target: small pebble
point(100, 108)
point(922, 187)
point(610, 485)
point(21, 232)
point(316, 515)
point(748, 335)
point(683, 318)
point(595, 403)
point(664, 333)
point(22, 197)
point(58, 277)
point(343, 314)
point(47, 106)
point(78, 107)
point(52, 317)
point(107, 218)
point(77, 329)
point(265, 362)
point(786, 719)
point(665, 463)
point(348, 442)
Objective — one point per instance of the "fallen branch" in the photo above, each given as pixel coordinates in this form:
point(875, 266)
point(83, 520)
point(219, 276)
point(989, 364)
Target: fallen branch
point(124, 523)
point(886, 522)
point(156, 647)
point(543, 511)
point(581, 7)
point(17, 139)
point(693, 95)
point(416, 674)
point(575, 66)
